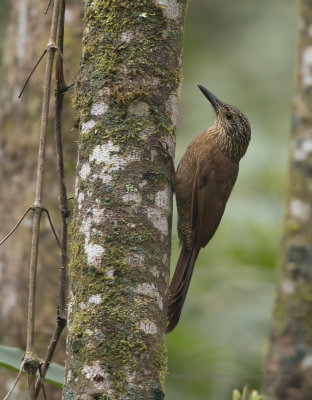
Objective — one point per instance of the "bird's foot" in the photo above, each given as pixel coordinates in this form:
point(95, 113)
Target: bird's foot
point(164, 148)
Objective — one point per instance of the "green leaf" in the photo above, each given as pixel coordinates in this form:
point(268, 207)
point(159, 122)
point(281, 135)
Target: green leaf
point(236, 395)
point(247, 394)
point(11, 358)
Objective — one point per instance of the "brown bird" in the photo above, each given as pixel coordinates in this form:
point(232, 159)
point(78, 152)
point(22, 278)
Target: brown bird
point(203, 183)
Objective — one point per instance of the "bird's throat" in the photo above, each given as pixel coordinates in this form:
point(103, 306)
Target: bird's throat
point(232, 145)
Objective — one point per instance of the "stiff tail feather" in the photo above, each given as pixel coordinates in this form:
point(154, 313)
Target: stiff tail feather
point(180, 284)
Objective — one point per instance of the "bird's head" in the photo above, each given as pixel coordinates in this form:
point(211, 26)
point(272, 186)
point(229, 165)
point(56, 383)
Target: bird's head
point(232, 127)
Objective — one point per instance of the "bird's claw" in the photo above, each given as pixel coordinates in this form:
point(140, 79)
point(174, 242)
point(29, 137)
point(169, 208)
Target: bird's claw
point(164, 148)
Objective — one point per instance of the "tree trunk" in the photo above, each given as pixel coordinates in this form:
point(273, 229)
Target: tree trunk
point(127, 96)
point(290, 354)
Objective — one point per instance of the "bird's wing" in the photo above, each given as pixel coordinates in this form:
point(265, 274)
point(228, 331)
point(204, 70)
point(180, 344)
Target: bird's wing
point(210, 194)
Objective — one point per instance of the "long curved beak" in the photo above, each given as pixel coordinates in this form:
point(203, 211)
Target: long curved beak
point(211, 97)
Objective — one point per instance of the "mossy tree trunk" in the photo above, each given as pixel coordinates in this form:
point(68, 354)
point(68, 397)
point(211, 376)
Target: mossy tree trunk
point(127, 96)
point(290, 350)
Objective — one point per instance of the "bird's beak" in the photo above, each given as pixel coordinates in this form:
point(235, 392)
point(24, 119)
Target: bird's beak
point(211, 97)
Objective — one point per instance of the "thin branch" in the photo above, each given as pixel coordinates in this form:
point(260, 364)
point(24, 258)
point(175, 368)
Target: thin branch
point(16, 381)
point(30, 350)
point(54, 232)
point(65, 211)
point(42, 383)
point(60, 325)
point(38, 62)
point(66, 65)
point(61, 311)
point(16, 226)
point(32, 71)
point(48, 6)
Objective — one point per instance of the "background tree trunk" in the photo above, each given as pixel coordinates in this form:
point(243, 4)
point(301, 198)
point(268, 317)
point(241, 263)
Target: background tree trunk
point(26, 36)
point(127, 96)
point(291, 336)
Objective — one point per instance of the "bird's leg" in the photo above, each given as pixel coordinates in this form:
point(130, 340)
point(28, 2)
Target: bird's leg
point(165, 150)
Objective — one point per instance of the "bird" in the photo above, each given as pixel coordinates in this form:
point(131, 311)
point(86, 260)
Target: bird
point(203, 183)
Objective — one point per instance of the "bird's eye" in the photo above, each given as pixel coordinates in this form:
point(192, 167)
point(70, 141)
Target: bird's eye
point(229, 116)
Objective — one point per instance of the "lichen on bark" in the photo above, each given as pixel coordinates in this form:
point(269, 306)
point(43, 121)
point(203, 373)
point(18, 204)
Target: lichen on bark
point(289, 361)
point(126, 95)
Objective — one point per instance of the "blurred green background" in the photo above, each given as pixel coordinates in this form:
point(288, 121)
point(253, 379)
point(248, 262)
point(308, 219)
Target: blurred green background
point(244, 51)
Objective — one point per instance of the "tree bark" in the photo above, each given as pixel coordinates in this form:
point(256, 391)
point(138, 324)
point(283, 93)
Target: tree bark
point(289, 361)
point(127, 96)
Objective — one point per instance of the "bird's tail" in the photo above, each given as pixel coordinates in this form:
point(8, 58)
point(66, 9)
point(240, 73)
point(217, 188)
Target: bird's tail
point(179, 285)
